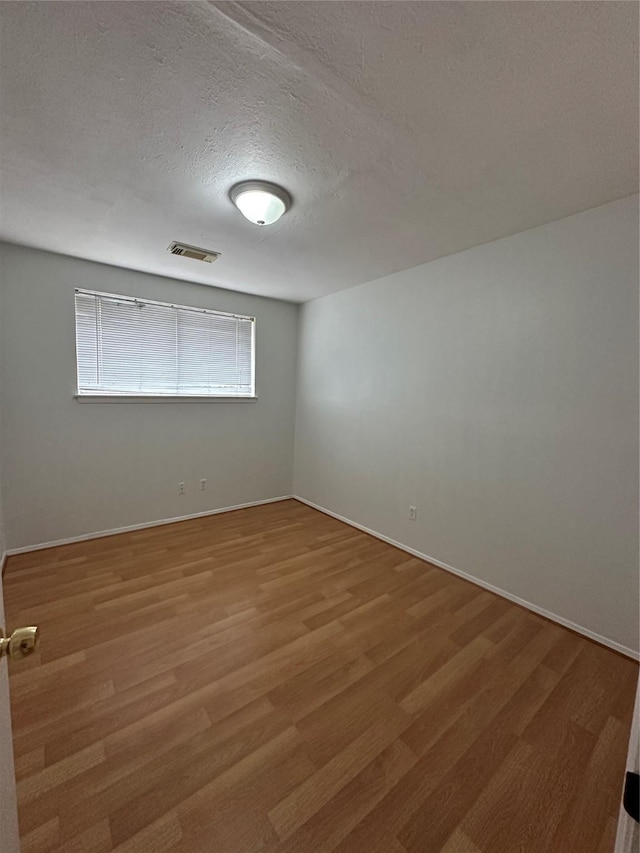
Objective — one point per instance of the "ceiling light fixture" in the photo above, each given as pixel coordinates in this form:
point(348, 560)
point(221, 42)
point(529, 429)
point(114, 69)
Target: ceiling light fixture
point(260, 202)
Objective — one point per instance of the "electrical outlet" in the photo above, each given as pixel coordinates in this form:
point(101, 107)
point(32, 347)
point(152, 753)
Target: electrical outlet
point(181, 490)
point(203, 484)
point(412, 513)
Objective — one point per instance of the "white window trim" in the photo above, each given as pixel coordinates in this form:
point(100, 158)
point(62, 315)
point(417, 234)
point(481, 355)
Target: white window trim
point(168, 398)
point(164, 398)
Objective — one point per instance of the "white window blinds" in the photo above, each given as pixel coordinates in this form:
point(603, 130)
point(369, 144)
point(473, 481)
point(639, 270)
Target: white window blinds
point(134, 347)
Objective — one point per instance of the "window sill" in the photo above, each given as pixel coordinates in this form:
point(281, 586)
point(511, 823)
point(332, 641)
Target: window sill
point(165, 398)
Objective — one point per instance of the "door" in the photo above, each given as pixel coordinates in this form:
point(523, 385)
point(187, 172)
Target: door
point(628, 829)
point(9, 839)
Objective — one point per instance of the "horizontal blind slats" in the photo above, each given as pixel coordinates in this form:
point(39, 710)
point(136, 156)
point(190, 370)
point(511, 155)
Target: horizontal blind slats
point(132, 347)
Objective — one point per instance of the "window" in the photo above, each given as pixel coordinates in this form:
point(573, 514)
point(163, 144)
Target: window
point(129, 347)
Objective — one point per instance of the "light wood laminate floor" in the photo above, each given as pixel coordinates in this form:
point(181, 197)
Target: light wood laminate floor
point(274, 680)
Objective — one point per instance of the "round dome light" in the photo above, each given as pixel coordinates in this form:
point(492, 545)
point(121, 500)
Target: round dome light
point(260, 202)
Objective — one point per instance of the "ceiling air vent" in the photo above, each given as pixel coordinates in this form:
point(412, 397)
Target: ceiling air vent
point(194, 252)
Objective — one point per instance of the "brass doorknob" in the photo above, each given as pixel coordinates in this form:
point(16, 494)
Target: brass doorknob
point(23, 642)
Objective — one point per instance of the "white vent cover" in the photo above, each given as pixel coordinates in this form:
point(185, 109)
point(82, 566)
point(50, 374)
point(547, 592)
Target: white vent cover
point(194, 252)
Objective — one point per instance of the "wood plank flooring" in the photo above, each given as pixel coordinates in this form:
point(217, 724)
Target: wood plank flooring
point(274, 680)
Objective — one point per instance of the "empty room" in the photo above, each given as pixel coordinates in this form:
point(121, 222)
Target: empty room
point(319, 427)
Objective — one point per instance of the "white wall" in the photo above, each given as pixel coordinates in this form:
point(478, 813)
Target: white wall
point(497, 390)
point(71, 468)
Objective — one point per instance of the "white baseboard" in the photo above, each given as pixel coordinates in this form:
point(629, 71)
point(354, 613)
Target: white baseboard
point(598, 638)
point(114, 532)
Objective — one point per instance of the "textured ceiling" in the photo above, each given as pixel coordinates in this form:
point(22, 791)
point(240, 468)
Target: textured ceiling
point(404, 131)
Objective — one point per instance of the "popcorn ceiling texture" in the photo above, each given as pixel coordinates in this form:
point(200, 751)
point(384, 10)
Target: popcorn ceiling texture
point(404, 131)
